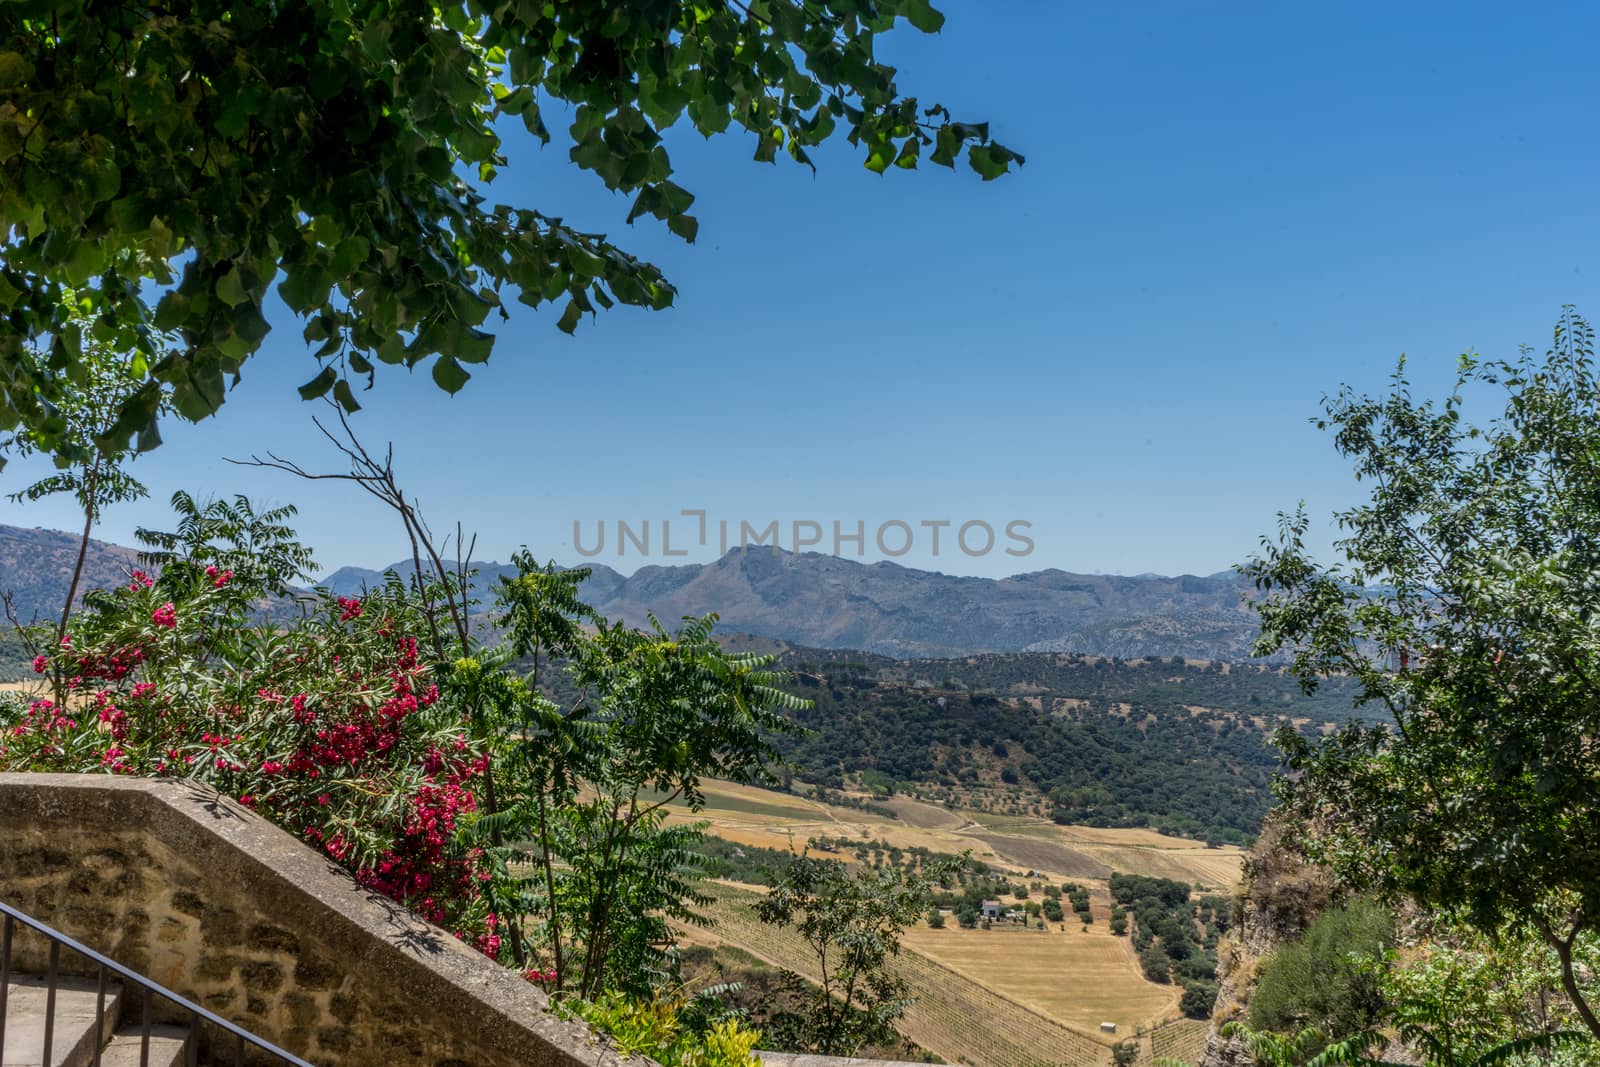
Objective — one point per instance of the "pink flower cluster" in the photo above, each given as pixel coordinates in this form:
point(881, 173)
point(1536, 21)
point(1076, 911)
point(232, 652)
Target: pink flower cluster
point(44, 717)
point(219, 578)
point(319, 731)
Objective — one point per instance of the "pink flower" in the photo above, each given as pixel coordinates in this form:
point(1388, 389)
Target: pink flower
point(218, 578)
point(141, 580)
point(166, 615)
point(40, 663)
point(349, 608)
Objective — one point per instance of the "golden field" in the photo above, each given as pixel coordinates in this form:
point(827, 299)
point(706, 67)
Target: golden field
point(1015, 844)
point(1039, 995)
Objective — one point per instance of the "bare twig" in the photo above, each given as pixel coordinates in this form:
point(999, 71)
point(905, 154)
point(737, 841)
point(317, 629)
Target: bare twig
point(376, 477)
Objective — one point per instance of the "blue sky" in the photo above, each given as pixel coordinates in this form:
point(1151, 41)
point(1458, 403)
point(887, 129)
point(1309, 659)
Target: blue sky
point(1228, 209)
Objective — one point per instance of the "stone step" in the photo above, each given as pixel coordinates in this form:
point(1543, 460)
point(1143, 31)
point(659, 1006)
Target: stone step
point(166, 1047)
point(75, 1035)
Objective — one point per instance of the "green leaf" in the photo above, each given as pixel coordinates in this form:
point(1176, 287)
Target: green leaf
point(349, 254)
point(990, 161)
point(14, 70)
point(346, 399)
point(923, 16)
point(319, 385)
point(304, 287)
point(570, 317)
point(230, 289)
point(685, 226)
point(449, 375)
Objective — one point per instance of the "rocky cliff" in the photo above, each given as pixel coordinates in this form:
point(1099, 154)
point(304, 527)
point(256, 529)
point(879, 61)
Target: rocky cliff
point(1279, 897)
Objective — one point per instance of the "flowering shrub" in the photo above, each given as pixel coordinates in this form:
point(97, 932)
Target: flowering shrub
point(332, 728)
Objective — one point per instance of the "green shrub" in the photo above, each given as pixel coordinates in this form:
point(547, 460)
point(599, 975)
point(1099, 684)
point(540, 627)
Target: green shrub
point(1331, 978)
point(662, 1029)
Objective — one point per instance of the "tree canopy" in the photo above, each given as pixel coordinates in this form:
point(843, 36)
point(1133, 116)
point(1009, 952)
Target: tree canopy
point(173, 161)
point(1467, 609)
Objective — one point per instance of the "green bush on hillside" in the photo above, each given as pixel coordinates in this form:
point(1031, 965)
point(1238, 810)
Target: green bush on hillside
point(1331, 979)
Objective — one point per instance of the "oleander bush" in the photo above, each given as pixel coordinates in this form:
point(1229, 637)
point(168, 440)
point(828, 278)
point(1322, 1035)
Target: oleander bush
point(332, 727)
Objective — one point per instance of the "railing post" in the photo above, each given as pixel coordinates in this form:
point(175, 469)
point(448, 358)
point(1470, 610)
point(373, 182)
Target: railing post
point(5, 971)
point(5, 975)
point(50, 999)
point(99, 1011)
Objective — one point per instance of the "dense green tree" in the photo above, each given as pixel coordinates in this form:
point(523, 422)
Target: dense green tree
point(1467, 609)
point(1465, 997)
point(1198, 999)
point(174, 162)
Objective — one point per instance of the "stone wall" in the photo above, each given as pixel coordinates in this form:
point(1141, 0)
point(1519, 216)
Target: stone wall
point(216, 904)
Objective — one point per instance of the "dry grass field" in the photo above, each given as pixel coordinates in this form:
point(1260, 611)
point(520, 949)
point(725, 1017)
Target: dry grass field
point(1016, 844)
point(1041, 995)
point(960, 1019)
point(1081, 977)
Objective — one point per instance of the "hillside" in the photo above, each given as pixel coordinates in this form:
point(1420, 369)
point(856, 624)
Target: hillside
point(1192, 771)
point(36, 568)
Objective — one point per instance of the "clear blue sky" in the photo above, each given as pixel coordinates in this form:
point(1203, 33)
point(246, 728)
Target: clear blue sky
point(1227, 209)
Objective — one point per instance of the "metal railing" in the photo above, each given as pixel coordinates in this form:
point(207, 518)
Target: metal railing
point(105, 968)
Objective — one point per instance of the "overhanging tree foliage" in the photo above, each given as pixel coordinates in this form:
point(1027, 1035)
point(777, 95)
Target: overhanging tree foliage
point(174, 160)
point(1469, 607)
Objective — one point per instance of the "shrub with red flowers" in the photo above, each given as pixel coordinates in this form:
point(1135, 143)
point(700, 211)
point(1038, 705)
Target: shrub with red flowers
point(331, 727)
point(486, 808)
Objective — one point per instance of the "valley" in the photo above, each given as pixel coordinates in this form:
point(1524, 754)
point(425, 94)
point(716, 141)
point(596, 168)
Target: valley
point(1040, 989)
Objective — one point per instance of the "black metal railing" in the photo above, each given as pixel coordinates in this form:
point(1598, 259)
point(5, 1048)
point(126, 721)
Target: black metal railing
point(105, 968)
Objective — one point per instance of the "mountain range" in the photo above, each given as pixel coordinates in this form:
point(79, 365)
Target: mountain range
point(830, 602)
point(811, 599)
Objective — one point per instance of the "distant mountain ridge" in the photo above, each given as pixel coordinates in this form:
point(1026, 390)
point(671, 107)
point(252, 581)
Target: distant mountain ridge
point(831, 602)
point(811, 599)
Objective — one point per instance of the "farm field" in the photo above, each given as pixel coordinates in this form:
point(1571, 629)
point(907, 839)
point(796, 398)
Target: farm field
point(1042, 994)
point(947, 1002)
point(1081, 977)
point(1029, 1018)
point(751, 816)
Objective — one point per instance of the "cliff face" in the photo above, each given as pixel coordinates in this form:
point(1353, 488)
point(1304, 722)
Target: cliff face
point(1280, 896)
